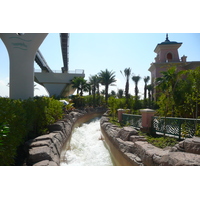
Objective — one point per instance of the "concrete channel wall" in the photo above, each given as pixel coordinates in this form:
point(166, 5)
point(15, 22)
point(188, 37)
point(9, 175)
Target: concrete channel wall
point(47, 150)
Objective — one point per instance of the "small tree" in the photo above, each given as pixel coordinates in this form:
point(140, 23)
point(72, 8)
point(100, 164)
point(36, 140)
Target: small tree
point(120, 93)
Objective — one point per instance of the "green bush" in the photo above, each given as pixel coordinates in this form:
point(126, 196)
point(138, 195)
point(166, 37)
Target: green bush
point(40, 112)
point(87, 101)
point(114, 104)
point(162, 142)
point(93, 102)
point(21, 120)
point(78, 101)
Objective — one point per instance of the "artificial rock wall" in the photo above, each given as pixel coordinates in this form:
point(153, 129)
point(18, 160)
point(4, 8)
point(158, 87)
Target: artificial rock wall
point(47, 150)
point(128, 148)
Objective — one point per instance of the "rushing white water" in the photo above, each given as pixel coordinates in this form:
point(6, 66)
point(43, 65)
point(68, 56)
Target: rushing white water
point(86, 147)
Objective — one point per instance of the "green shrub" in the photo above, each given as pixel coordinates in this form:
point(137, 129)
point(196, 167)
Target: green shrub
point(114, 104)
point(40, 112)
point(78, 101)
point(87, 101)
point(12, 116)
point(21, 120)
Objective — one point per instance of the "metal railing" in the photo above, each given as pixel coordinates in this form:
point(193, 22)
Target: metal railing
point(178, 127)
point(76, 71)
point(132, 120)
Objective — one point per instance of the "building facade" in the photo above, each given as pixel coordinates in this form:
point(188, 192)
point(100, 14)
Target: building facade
point(168, 56)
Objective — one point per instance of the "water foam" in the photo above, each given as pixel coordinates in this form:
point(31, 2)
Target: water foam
point(86, 149)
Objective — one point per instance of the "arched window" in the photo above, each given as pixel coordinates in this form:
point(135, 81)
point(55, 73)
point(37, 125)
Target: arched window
point(169, 57)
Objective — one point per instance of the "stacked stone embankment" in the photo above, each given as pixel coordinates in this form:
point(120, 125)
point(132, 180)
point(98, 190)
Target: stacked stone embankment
point(46, 150)
point(128, 148)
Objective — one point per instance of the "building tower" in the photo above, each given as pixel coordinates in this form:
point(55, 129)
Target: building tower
point(168, 56)
point(167, 51)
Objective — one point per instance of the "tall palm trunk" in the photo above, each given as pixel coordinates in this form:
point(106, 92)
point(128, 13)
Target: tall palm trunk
point(136, 80)
point(106, 93)
point(146, 80)
point(126, 90)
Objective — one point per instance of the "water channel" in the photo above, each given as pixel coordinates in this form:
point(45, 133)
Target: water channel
point(86, 147)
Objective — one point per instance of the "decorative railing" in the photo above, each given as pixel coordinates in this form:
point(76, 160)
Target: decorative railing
point(132, 120)
point(178, 127)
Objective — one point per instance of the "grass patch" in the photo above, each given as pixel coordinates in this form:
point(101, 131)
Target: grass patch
point(160, 141)
point(115, 122)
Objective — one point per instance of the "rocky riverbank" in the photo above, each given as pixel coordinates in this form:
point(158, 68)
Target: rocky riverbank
point(46, 150)
point(128, 148)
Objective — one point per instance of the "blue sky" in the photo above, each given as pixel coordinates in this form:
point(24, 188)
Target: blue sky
point(99, 51)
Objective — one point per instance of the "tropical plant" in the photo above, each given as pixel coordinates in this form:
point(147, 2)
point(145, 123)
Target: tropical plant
point(113, 93)
point(80, 84)
point(106, 78)
point(94, 82)
point(136, 79)
point(113, 104)
point(146, 80)
point(167, 85)
point(120, 93)
point(127, 73)
point(192, 95)
point(22, 120)
point(149, 88)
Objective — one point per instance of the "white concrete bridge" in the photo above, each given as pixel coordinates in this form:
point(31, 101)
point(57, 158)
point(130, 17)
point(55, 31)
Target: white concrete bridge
point(23, 51)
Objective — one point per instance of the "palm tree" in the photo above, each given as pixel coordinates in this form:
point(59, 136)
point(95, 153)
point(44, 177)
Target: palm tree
point(80, 84)
point(149, 88)
point(127, 73)
point(106, 78)
point(94, 82)
point(89, 88)
point(120, 93)
point(136, 79)
point(113, 93)
point(146, 80)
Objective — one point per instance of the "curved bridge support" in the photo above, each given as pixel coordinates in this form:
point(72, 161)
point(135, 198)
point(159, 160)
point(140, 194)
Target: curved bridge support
point(22, 50)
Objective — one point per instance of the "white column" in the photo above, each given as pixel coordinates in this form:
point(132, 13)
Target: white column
point(22, 50)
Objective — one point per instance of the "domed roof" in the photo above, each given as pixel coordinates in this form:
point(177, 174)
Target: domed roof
point(167, 41)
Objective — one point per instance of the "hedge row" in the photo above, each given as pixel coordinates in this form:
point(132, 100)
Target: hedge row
point(21, 120)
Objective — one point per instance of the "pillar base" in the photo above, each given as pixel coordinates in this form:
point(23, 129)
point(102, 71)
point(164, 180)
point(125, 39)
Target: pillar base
point(145, 129)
